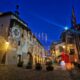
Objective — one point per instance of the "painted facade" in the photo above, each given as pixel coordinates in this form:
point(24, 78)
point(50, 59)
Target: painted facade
point(21, 41)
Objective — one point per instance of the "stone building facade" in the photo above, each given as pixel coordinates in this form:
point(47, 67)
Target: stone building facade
point(23, 44)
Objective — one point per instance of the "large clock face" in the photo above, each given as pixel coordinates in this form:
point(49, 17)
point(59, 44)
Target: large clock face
point(16, 33)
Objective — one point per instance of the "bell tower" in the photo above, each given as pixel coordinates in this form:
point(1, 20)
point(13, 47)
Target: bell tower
point(73, 19)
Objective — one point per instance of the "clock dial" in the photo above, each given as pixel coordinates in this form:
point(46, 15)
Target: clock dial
point(16, 33)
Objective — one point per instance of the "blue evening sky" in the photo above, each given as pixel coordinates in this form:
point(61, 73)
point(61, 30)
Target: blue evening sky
point(47, 16)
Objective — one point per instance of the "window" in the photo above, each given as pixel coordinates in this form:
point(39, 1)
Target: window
point(18, 43)
point(72, 52)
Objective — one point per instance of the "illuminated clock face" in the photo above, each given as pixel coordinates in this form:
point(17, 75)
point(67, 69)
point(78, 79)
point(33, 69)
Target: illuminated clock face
point(16, 33)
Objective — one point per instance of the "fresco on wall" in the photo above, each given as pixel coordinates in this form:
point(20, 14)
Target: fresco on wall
point(18, 38)
point(24, 41)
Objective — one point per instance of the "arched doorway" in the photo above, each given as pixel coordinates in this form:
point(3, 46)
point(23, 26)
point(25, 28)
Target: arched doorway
point(3, 59)
point(20, 61)
point(19, 58)
point(29, 60)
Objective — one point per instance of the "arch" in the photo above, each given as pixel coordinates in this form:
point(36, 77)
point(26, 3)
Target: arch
point(3, 61)
point(19, 58)
point(30, 59)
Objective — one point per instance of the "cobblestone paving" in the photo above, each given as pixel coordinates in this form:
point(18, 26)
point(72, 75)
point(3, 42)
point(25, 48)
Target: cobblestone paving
point(15, 73)
point(75, 74)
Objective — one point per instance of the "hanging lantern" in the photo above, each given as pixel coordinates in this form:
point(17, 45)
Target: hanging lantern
point(73, 66)
point(69, 66)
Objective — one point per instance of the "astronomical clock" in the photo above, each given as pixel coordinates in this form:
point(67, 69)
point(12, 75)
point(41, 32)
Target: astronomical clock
point(15, 36)
point(16, 32)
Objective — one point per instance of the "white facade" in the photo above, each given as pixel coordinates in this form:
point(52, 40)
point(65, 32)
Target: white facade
point(21, 41)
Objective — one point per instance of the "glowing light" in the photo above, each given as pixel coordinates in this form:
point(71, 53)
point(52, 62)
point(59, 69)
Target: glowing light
point(7, 45)
point(62, 63)
point(64, 46)
point(66, 28)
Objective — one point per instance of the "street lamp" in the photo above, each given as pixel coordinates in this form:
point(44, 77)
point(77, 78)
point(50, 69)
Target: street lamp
point(63, 46)
point(6, 49)
point(7, 45)
point(66, 28)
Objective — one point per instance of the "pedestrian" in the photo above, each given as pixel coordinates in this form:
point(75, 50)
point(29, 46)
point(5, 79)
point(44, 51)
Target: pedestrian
point(62, 64)
point(65, 58)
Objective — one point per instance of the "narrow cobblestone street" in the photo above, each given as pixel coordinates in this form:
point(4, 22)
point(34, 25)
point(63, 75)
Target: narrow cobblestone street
point(15, 73)
point(75, 74)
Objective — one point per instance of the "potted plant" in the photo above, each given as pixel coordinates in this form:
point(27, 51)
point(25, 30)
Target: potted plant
point(38, 66)
point(49, 66)
point(20, 64)
point(29, 65)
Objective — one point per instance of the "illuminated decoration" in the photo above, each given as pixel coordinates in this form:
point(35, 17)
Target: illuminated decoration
point(42, 36)
point(16, 33)
point(69, 66)
point(46, 37)
point(39, 36)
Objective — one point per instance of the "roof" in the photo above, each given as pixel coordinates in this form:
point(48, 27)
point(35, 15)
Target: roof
point(11, 13)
